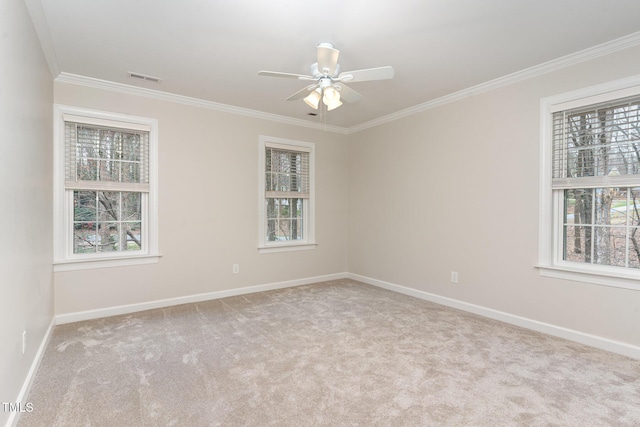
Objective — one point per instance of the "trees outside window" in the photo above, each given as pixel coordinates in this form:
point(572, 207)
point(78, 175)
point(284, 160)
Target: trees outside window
point(105, 183)
point(286, 194)
point(597, 173)
point(106, 221)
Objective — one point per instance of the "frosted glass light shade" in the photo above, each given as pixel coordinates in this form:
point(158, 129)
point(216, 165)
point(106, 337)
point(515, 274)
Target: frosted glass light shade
point(313, 99)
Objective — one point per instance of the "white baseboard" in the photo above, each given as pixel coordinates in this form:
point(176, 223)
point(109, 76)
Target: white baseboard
point(558, 331)
point(28, 381)
point(132, 308)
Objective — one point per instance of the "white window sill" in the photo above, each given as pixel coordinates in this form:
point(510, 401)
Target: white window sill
point(286, 247)
point(597, 275)
point(87, 264)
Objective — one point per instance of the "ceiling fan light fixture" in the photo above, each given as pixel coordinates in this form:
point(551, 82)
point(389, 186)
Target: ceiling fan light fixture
point(329, 80)
point(333, 104)
point(330, 95)
point(313, 99)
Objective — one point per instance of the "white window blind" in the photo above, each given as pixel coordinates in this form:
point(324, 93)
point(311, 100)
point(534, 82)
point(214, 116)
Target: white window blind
point(286, 173)
point(597, 145)
point(106, 158)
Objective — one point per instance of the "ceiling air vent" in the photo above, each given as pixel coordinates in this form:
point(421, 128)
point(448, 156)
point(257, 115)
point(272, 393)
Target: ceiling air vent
point(144, 77)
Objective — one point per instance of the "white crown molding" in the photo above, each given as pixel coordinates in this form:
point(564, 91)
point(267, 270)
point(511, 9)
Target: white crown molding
point(621, 43)
point(528, 73)
point(194, 102)
point(34, 7)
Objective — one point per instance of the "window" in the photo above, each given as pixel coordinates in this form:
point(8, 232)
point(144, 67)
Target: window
point(286, 195)
point(591, 160)
point(105, 189)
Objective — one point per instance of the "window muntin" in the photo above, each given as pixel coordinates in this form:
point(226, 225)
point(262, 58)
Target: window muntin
point(596, 180)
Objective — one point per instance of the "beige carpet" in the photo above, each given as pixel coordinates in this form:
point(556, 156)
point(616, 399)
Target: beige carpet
point(338, 353)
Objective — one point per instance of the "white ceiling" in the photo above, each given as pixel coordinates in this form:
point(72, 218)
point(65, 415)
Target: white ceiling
point(213, 49)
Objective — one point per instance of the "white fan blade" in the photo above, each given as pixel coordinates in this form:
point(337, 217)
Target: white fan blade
point(301, 93)
point(285, 75)
point(327, 58)
point(380, 73)
point(347, 94)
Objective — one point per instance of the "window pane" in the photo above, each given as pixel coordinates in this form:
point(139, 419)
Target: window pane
point(131, 172)
point(620, 212)
point(285, 208)
point(132, 233)
point(108, 205)
point(272, 208)
point(296, 229)
point(284, 183)
point(107, 221)
point(600, 140)
point(610, 246)
point(84, 221)
point(271, 230)
point(284, 219)
point(88, 169)
point(634, 206)
point(84, 206)
point(286, 171)
point(108, 155)
point(131, 147)
point(578, 206)
point(634, 248)
point(284, 229)
point(109, 171)
point(611, 206)
point(131, 206)
point(268, 181)
point(85, 238)
point(109, 236)
point(298, 203)
point(577, 243)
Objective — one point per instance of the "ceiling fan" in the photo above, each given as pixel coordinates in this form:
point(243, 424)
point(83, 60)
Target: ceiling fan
point(328, 82)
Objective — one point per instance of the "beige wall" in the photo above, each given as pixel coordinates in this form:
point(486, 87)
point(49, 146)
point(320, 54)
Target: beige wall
point(208, 207)
point(26, 295)
point(455, 188)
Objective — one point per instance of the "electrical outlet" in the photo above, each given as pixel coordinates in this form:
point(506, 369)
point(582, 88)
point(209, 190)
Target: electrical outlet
point(24, 341)
point(236, 268)
point(454, 277)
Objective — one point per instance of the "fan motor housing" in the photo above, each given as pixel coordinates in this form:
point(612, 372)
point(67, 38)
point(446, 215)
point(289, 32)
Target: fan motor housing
point(315, 72)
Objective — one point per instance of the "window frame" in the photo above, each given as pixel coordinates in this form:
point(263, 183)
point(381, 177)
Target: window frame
point(551, 202)
point(64, 258)
point(308, 242)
